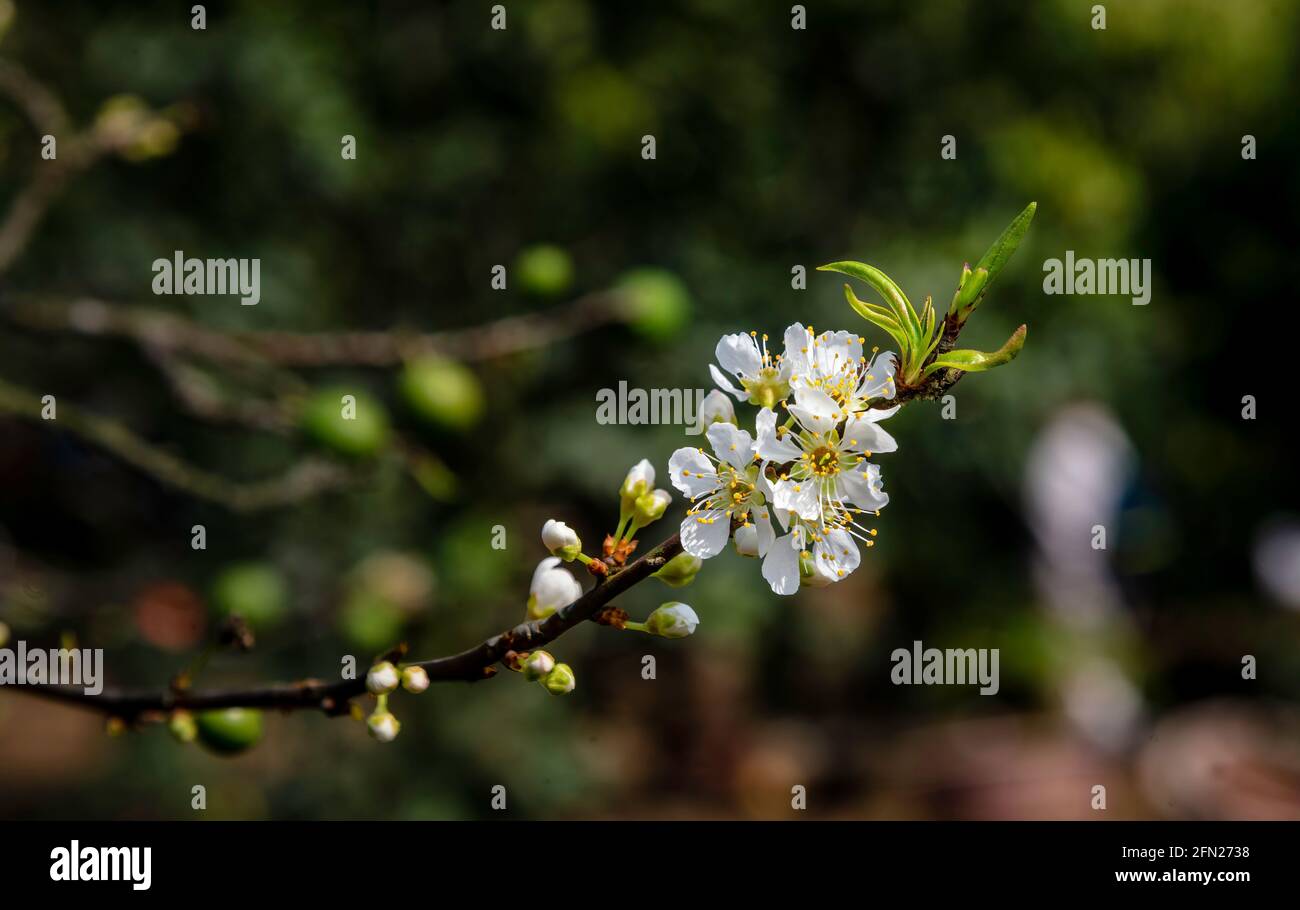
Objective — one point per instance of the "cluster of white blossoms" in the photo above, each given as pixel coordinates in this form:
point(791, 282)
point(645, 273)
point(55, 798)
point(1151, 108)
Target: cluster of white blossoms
point(797, 490)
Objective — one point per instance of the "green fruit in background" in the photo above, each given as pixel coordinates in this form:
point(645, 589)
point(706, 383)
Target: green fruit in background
point(369, 621)
point(545, 270)
point(363, 432)
point(254, 591)
point(229, 731)
point(658, 304)
point(443, 392)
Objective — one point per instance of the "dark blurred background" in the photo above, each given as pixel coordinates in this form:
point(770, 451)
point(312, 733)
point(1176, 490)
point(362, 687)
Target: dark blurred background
point(776, 147)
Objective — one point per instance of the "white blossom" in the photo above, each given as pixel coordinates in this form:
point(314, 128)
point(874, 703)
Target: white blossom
point(732, 486)
point(561, 540)
point(672, 620)
point(764, 377)
point(552, 588)
point(640, 480)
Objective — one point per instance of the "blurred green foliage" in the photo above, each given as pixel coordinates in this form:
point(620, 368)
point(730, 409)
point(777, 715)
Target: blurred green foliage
point(775, 148)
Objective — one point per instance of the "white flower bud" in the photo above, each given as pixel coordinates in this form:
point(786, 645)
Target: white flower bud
point(716, 408)
point(639, 481)
point(651, 507)
point(383, 726)
point(415, 679)
point(746, 540)
point(560, 681)
point(561, 540)
point(672, 620)
point(538, 665)
point(382, 678)
point(551, 588)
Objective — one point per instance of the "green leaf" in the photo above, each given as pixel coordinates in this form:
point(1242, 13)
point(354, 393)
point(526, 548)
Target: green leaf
point(978, 361)
point(877, 315)
point(972, 287)
point(969, 296)
point(886, 287)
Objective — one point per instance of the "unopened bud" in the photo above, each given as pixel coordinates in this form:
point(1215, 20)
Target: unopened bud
point(183, 726)
point(680, 570)
point(560, 681)
point(639, 481)
point(651, 507)
point(383, 726)
point(415, 679)
point(538, 665)
point(382, 678)
point(716, 408)
point(672, 620)
point(552, 587)
point(561, 540)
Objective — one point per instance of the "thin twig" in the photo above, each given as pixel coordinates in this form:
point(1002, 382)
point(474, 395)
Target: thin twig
point(77, 151)
point(170, 333)
point(41, 106)
point(303, 480)
point(470, 665)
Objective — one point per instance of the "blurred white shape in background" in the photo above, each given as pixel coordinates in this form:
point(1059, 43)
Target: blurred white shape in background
point(1101, 701)
point(1277, 561)
point(1075, 477)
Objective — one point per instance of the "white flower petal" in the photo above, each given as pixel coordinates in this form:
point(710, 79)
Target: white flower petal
point(766, 533)
point(861, 486)
point(875, 415)
point(799, 496)
point(836, 554)
point(732, 444)
point(692, 473)
point(796, 361)
point(864, 435)
point(739, 355)
point(781, 566)
point(878, 381)
point(721, 379)
point(770, 447)
point(816, 411)
point(704, 534)
point(837, 352)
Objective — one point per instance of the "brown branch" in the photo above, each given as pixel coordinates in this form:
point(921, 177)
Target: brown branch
point(201, 395)
point(77, 151)
point(305, 479)
point(471, 665)
point(172, 334)
point(41, 106)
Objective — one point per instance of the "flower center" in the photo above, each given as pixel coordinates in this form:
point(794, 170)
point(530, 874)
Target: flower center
point(823, 461)
point(766, 389)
